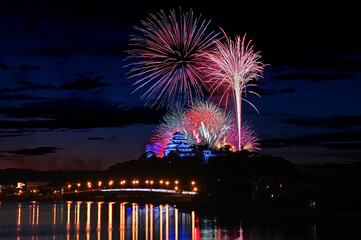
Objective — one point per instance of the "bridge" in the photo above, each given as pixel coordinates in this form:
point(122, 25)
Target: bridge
point(148, 191)
point(153, 190)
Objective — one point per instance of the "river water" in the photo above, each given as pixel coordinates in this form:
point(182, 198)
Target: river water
point(110, 220)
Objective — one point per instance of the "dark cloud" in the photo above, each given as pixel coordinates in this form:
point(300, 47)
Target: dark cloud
point(37, 87)
point(11, 135)
point(35, 151)
point(343, 145)
point(314, 77)
point(5, 90)
point(346, 141)
point(288, 90)
point(95, 138)
point(284, 142)
point(331, 122)
point(85, 81)
point(338, 137)
point(77, 114)
point(266, 92)
point(28, 87)
point(24, 82)
point(319, 63)
point(21, 97)
point(4, 66)
point(26, 67)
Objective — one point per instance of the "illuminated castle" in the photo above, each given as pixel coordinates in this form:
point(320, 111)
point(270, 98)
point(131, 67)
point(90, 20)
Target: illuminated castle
point(179, 146)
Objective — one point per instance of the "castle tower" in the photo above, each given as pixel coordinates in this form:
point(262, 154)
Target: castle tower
point(179, 145)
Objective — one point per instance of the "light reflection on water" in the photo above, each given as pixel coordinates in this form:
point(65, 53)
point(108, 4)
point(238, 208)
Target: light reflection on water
point(95, 220)
point(130, 221)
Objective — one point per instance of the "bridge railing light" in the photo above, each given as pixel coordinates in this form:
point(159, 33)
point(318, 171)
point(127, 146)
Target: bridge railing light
point(135, 181)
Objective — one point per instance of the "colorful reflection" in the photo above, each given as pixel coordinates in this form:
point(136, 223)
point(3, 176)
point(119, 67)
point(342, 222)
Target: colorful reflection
point(109, 220)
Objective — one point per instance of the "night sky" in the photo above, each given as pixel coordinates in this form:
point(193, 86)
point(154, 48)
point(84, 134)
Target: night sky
point(65, 102)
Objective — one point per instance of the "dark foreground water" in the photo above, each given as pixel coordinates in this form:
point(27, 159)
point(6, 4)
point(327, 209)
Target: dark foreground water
point(104, 220)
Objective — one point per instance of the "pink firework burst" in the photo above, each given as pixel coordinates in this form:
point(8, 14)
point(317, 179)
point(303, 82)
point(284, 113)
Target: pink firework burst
point(233, 66)
point(203, 123)
point(167, 54)
point(207, 122)
point(249, 141)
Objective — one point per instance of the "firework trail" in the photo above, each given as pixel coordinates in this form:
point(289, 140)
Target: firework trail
point(249, 141)
point(233, 66)
point(167, 54)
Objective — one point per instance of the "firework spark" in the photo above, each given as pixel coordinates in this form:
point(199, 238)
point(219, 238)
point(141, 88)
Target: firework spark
point(173, 121)
point(207, 121)
point(167, 55)
point(233, 66)
point(203, 123)
point(249, 141)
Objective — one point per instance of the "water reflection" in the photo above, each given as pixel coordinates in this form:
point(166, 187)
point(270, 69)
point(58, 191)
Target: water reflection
point(96, 220)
